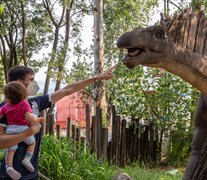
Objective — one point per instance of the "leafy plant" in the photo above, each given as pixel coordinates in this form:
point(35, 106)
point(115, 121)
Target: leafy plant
point(179, 151)
point(62, 159)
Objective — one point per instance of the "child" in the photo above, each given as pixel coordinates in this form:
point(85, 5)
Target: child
point(19, 115)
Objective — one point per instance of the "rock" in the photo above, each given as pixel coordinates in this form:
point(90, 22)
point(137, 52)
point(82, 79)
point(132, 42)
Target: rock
point(122, 176)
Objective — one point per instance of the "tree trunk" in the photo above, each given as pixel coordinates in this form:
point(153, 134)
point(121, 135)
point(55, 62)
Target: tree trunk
point(4, 58)
point(98, 52)
point(51, 62)
point(65, 47)
point(57, 26)
point(23, 35)
point(62, 59)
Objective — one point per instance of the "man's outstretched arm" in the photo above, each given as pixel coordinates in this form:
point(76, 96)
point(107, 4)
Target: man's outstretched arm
point(75, 87)
point(7, 140)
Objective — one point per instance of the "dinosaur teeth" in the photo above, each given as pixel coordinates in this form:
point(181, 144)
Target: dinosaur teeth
point(134, 52)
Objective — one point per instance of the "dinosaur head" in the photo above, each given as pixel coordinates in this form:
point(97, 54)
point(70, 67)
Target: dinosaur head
point(145, 46)
point(173, 47)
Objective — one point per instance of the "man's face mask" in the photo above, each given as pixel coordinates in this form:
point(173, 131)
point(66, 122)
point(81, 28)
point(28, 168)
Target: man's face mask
point(32, 88)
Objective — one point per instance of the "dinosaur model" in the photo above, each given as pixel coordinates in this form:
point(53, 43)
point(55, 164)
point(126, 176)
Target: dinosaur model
point(179, 45)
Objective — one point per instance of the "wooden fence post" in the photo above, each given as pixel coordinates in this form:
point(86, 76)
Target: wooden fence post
point(123, 144)
point(127, 143)
point(105, 142)
point(78, 139)
point(98, 132)
point(47, 124)
point(110, 152)
point(51, 123)
point(157, 137)
point(74, 132)
point(93, 146)
point(83, 140)
point(137, 143)
point(118, 140)
point(68, 127)
point(132, 142)
point(142, 145)
point(151, 143)
point(78, 135)
point(58, 130)
point(88, 138)
point(146, 135)
point(113, 144)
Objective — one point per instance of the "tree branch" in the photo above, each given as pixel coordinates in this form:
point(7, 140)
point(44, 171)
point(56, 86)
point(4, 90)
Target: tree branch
point(173, 4)
point(46, 5)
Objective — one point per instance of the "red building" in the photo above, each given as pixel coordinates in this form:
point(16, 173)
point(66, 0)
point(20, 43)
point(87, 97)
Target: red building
point(72, 106)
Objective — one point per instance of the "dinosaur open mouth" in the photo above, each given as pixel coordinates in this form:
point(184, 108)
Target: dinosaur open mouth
point(132, 56)
point(134, 52)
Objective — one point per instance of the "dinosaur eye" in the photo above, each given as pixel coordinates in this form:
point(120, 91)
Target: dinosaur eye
point(159, 35)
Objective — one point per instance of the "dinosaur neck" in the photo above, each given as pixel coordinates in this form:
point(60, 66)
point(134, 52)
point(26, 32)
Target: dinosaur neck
point(190, 66)
point(190, 59)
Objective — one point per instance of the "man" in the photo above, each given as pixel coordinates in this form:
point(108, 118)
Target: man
point(25, 75)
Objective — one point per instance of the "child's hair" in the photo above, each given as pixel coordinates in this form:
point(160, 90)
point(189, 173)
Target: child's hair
point(15, 92)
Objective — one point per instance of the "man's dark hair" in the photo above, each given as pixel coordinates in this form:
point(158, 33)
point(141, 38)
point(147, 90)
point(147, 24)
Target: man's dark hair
point(19, 72)
point(15, 92)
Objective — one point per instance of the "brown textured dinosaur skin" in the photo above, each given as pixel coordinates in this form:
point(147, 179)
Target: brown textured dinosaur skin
point(150, 47)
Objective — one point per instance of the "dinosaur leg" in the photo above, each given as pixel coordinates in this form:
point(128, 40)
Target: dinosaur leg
point(199, 138)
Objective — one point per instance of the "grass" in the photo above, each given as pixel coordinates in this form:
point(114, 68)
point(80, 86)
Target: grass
point(2, 153)
point(63, 160)
point(145, 173)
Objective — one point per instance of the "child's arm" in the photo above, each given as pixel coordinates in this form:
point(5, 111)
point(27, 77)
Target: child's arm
point(33, 119)
point(29, 116)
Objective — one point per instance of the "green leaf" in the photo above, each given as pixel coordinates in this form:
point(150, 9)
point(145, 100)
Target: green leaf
point(1, 9)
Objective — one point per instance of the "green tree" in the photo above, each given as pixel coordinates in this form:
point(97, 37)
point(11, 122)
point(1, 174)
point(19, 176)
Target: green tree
point(23, 32)
point(196, 4)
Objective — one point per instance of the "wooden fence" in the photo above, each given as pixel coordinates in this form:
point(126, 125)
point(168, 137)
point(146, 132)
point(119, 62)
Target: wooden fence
point(121, 144)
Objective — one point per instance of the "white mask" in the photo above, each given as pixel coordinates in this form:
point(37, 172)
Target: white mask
point(32, 88)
